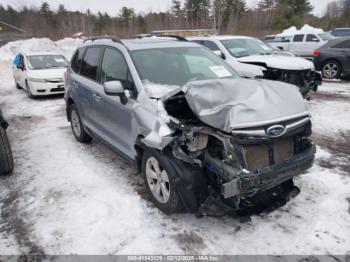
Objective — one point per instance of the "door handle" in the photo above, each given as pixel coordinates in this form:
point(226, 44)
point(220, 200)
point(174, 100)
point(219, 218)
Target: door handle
point(75, 84)
point(97, 97)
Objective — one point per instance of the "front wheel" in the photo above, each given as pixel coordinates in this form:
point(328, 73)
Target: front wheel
point(77, 126)
point(160, 182)
point(331, 69)
point(29, 92)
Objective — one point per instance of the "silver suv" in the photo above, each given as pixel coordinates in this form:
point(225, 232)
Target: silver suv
point(189, 124)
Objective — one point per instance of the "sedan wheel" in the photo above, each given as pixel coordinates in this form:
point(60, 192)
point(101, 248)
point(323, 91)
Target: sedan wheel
point(331, 69)
point(158, 180)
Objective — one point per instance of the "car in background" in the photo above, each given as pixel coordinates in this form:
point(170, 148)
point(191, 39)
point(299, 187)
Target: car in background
point(252, 58)
point(340, 32)
point(301, 44)
point(188, 122)
point(6, 159)
point(40, 73)
point(333, 59)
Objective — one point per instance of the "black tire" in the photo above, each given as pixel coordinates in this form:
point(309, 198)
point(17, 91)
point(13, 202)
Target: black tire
point(18, 86)
point(29, 93)
point(174, 203)
point(334, 66)
point(6, 159)
point(81, 135)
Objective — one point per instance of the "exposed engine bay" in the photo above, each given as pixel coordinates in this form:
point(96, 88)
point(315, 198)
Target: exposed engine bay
point(239, 161)
point(306, 80)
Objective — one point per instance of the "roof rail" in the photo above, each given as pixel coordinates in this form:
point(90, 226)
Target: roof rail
point(180, 38)
point(113, 38)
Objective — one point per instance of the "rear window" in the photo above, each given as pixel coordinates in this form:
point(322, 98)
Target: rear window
point(298, 38)
point(90, 62)
point(76, 60)
point(341, 32)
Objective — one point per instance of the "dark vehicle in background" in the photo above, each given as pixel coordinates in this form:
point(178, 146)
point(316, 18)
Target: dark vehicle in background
point(333, 58)
point(340, 32)
point(6, 160)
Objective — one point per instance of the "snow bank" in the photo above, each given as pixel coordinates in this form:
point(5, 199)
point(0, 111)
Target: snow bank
point(305, 29)
point(65, 47)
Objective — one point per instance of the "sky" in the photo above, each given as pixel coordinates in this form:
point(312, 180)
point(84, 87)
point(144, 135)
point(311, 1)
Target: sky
point(113, 6)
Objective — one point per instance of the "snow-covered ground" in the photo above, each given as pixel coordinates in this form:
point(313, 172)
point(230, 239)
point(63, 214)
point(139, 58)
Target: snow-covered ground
point(69, 198)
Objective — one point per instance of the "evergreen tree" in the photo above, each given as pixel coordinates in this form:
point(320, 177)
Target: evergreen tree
point(197, 11)
point(266, 5)
point(176, 8)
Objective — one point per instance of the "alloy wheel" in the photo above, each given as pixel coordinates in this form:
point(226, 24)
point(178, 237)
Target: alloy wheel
point(158, 180)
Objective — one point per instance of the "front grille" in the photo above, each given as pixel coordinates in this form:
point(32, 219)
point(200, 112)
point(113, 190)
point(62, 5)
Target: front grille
point(58, 89)
point(54, 81)
point(259, 156)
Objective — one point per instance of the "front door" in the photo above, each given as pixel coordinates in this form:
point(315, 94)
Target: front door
point(114, 114)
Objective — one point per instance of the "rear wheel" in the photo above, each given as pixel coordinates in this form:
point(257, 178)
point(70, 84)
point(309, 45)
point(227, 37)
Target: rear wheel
point(160, 182)
point(6, 159)
point(331, 69)
point(77, 126)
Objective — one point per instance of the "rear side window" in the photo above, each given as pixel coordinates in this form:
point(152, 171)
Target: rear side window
point(344, 44)
point(76, 60)
point(298, 38)
point(312, 38)
point(211, 45)
point(91, 62)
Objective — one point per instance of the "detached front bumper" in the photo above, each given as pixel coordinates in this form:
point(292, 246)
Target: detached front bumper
point(248, 184)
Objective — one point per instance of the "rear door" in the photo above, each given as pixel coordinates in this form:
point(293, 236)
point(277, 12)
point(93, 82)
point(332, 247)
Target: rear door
point(312, 42)
point(86, 82)
point(343, 49)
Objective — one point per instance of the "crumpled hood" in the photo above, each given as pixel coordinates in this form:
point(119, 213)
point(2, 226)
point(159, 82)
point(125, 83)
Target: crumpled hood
point(53, 73)
point(240, 103)
point(279, 62)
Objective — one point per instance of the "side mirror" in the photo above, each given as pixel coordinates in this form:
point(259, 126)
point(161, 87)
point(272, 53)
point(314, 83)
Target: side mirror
point(219, 53)
point(113, 88)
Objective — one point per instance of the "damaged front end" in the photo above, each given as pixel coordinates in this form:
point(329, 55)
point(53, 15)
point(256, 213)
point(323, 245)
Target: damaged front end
point(242, 146)
point(307, 80)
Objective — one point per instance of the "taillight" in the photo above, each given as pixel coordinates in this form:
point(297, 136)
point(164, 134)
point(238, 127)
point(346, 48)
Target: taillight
point(65, 74)
point(317, 52)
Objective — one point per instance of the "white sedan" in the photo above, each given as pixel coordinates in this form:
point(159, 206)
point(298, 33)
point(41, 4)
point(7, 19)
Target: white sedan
point(40, 73)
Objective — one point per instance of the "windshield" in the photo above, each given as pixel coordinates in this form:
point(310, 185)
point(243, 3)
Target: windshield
point(325, 36)
point(46, 61)
point(169, 68)
point(246, 47)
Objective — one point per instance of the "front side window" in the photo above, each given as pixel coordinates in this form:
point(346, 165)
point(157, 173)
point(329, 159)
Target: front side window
point(246, 47)
point(114, 67)
point(298, 38)
point(170, 68)
point(90, 62)
point(46, 61)
point(211, 45)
